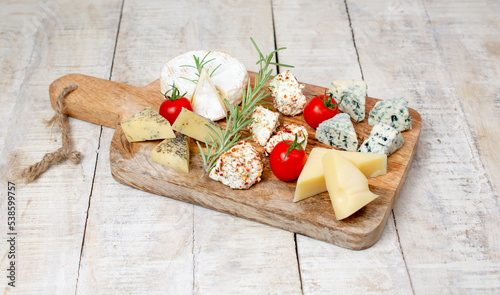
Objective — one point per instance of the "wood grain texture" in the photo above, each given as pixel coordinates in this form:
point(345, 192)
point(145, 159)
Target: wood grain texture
point(270, 201)
point(38, 43)
point(448, 215)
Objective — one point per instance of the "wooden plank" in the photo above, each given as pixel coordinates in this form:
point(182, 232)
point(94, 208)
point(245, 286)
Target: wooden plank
point(38, 44)
point(447, 215)
point(151, 33)
point(323, 51)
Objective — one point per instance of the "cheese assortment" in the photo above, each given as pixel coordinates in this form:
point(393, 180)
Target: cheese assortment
point(146, 125)
point(209, 78)
point(173, 153)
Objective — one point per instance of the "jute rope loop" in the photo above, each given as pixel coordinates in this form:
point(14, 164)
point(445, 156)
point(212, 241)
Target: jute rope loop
point(63, 153)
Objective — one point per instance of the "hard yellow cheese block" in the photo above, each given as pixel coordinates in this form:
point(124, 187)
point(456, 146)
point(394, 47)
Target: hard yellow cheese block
point(312, 178)
point(347, 186)
point(147, 125)
point(195, 126)
point(173, 153)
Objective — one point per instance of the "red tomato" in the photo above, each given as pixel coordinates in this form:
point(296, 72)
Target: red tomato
point(172, 106)
point(287, 160)
point(320, 108)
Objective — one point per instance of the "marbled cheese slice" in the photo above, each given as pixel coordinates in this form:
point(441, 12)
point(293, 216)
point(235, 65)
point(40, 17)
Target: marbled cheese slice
point(230, 78)
point(312, 178)
point(196, 126)
point(346, 185)
point(147, 125)
point(383, 139)
point(206, 99)
point(339, 132)
point(393, 112)
point(173, 153)
point(354, 97)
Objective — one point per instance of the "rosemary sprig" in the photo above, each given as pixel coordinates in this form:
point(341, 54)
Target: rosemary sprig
point(238, 118)
point(199, 64)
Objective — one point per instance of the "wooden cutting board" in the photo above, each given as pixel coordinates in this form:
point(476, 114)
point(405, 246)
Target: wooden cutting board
point(270, 202)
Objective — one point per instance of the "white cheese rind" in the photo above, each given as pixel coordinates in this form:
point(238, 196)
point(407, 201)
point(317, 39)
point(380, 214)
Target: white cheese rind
point(287, 94)
point(230, 78)
point(383, 139)
point(264, 124)
point(393, 112)
point(239, 168)
point(146, 125)
point(354, 97)
point(206, 100)
point(287, 133)
point(346, 185)
point(339, 132)
point(173, 153)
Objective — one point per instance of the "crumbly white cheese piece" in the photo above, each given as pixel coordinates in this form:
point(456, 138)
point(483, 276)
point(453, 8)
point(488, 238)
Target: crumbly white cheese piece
point(383, 139)
point(393, 112)
point(354, 97)
point(264, 124)
point(230, 78)
point(239, 168)
point(287, 93)
point(339, 132)
point(287, 133)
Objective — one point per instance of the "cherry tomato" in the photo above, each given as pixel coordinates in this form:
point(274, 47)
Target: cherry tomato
point(172, 106)
point(287, 160)
point(320, 108)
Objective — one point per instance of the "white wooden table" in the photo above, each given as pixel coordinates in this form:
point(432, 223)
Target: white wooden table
point(78, 231)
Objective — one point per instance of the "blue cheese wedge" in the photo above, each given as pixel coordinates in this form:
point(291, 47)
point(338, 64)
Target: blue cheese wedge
point(239, 168)
point(147, 125)
point(173, 153)
point(339, 132)
point(393, 112)
point(287, 94)
point(383, 139)
point(287, 133)
point(264, 124)
point(353, 95)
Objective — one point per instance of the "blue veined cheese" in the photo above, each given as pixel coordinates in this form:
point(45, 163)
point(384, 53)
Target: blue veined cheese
point(339, 132)
point(239, 168)
point(393, 112)
point(353, 93)
point(287, 94)
point(264, 124)
point(383, 139)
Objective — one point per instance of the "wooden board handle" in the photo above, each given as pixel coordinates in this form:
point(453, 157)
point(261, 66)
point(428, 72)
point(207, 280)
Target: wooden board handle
point(103, 102)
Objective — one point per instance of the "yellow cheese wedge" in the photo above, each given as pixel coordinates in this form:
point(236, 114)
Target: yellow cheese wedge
point(347, 186)
point(312, 178)
point(173, 153)
point(195, 126)
point(147, 125)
